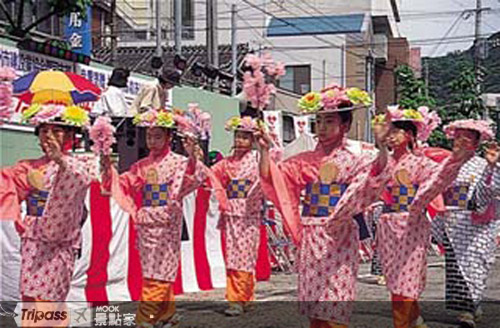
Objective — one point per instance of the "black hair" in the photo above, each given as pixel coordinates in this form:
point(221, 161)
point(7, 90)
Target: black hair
point(67, 128)
point(406, 126)
point(346, 117)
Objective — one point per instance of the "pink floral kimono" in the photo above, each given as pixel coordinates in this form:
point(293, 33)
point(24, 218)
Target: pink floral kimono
point(162, 183)
point(337, 186)
point(241, 221)
point(55, 212)
point(403, 231)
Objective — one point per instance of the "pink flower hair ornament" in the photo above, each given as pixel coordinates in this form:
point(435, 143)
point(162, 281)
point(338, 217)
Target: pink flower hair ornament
point(102, 134)
point(482, 126)
point(7, 75)
point(257, 90)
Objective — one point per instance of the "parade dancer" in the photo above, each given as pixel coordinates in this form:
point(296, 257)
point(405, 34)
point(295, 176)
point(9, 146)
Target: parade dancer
point(54, 187)
point(241, 222)
point(403, 231)
point(163, 178)
point(469, 235)
point(338, 185)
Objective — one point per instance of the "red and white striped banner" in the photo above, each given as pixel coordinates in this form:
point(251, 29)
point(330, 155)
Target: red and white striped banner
point(109, 267)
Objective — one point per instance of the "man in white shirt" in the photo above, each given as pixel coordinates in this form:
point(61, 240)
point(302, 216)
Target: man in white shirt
point(112, 101)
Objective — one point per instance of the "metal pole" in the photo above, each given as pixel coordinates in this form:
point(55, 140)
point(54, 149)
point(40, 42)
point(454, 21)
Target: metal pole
point(178, 26)
point(234, 50)
point(158, 28)
point(477, 50)
point(212, 33)
point(215, 41)
point(324, 73)
point(113, 33)
point(342, 66)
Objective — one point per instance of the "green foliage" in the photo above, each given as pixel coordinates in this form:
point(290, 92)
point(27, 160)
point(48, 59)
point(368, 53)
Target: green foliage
point(64, 7)
point(413, 93)
point(17, 26)
point(411, 90)
point(465, 100)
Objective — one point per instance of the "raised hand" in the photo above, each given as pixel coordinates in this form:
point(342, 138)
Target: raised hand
point(381, 130)
point(262, 139)
point(492, 153)
point(192, 148)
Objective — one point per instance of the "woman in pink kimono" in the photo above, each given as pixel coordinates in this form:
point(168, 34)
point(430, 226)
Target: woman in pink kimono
point(239, 175)
point(54, 188)
point(338, 185)
point(403, 232)
point(162, 179)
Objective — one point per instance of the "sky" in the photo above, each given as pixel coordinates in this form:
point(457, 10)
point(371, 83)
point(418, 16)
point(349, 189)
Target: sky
point(426, 22)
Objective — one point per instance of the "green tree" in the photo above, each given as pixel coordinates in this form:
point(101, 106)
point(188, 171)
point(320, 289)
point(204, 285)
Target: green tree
point(463, 102)
point(18, 27)
point(412, 91)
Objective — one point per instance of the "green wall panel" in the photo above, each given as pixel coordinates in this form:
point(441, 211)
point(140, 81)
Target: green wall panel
point(220, 107)
point(17, 145)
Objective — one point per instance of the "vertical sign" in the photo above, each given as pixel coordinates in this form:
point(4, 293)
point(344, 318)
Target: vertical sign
point(78, 32)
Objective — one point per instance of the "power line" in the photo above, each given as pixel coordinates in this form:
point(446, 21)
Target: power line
point(455, 23)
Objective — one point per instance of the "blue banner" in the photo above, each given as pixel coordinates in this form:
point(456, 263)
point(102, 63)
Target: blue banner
point(78, 32)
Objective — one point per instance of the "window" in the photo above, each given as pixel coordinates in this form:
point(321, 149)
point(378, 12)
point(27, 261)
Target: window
point(297, 79)
point(187, 19)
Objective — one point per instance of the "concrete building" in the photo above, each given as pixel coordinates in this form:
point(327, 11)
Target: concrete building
point(351, 43)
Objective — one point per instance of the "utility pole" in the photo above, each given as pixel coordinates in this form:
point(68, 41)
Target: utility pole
point(113, 32)
point(478, 51)
point(234, 50)
point(158, 28)
point(212, 42)
point(427, 79)
point(178, 26)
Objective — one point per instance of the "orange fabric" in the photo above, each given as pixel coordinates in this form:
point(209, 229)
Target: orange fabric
point(405, 311)
point(316, 323)
point(157, 302)
point(240, 287)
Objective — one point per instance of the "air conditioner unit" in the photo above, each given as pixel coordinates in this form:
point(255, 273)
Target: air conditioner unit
point(380, 47)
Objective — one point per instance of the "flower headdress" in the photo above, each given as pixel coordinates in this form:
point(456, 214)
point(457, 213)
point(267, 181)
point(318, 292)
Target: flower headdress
point(481, 126)
point(155, 118)
point(245, 123)
point(7, 75)
point(257, 83)
point(334, 98)
point(425, 120)
point(56, 113)
point(193, 122)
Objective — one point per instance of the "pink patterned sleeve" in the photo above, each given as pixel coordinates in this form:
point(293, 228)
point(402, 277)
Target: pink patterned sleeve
point(193, 178)
point(76, 170)
point(217, 177)
point(283, 189)
point(125, 186)
point(433, 179)
point(364, 189)
point(14, 190)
